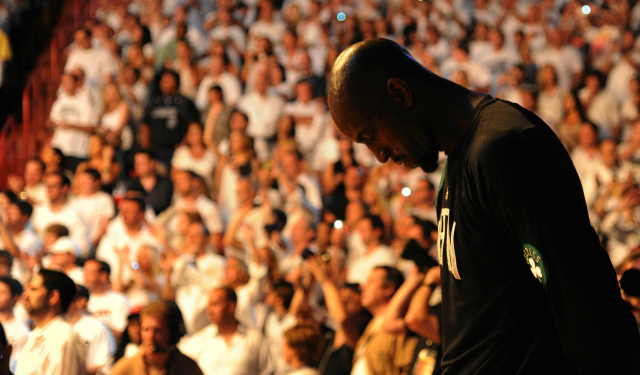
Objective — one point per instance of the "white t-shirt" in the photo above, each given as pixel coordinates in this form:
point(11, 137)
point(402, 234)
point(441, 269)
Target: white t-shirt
point(74, 110)
point(55, 349)
point(43, 217)
point(95, 62)
point(362, 267)
point(99, 343)
point(245, 354)
point(204, 166)
point(17, 334)
point(229, 83)
point(111, 307)
point(94, 209)
point(28, 243)
point(207, 209)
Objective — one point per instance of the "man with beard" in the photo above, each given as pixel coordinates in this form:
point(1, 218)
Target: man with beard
point(53, 347)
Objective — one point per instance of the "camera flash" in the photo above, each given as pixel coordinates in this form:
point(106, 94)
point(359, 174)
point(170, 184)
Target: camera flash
point(337, 224)
point(406, 191)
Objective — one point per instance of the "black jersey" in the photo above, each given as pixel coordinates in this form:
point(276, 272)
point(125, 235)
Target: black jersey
point(526, 286)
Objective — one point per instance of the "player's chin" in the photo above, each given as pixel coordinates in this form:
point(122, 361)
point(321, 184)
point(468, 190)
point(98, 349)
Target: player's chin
point(429, 164)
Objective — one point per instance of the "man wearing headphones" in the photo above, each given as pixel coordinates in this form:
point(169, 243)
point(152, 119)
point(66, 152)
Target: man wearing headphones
point(162, 327)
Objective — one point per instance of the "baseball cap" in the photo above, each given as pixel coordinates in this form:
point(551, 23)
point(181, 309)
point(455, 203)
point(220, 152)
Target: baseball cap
point(65, 245)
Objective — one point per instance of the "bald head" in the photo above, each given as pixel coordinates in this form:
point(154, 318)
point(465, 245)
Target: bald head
point(360, 74)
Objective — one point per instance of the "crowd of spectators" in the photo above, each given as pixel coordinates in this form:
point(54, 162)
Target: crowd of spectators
point(193, 159)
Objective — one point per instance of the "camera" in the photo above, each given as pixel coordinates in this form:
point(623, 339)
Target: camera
point(419, 255)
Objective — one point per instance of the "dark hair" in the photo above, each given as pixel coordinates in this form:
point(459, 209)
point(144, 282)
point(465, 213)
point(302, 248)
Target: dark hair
point(307, 342)
point(393, 276)
point(246, 118)
point(6, 258)
point(57, 229)
point(94, 174)
point(217, 89)
point(284, 290)
point(145, 151)
point(56, 280)
point(81, 292)
point(26, 209)
point(173, 73)
point(14, 285)
point(64, 180)
point(354, 287)
point(230, 294)
point(376, 221)
point(10, 195)
point(170, 312)
point(37, 160)
point(138, 200)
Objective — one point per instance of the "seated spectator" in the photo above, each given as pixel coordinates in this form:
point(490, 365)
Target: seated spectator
point(17, 332)
point(111, 307)
point(63, 255)
point(195, 156)
point(226, 346)
point(58, 210)
point(302, 349)
point(95, 207)
point(98, 340)
point(161, 329)
point(32, 189)
point(157, 191)
point(18, 237)
point(130, 340)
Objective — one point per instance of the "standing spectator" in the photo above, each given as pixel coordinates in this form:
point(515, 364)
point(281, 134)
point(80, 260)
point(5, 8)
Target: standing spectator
point(166, 118)
point(98, 63)
point(195, 156)
point(99, 343)
point(156, 190)
point(302, 349)
point(111, 307)
point(226, 346)
point(301, 189)
point(114, 122)
point(95, 207)
point(161, 329)
point(278, 322)
point(218, 120)
point(59, 211)
point(550, 97)
point(264, 110)
point(600, 105)
point(17, 332)
point(218, 75)
point(146, 276)
point(247, 284)
point(73, 119)
point(371, 228)
point(53, 347)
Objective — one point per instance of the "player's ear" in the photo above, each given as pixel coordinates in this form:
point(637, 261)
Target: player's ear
point(399, 91)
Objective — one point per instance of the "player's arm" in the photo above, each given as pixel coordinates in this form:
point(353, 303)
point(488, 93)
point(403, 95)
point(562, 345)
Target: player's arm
point(528, 187)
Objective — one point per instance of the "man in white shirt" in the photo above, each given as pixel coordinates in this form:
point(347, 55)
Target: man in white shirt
point(264, 111)
point(218, 75)
point(565, 58)
point(190, 275)
point(98, 63)
point(371, 229)
point(307, 116)
point(246, 226)
point(105, 304)
point(73, 120)
point(248, 284)
point(17, 332)
point(59, 211)
point(17, 237)
point(94, 206)
point(53, 347)
point(129, 230)
point(62, 255)
point(191, 200)
point(32, 189)
point(99, 343)
point(226, 346)
point(278, 321)
point(302, 191)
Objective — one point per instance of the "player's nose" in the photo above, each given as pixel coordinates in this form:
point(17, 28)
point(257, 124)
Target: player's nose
point(381, 155)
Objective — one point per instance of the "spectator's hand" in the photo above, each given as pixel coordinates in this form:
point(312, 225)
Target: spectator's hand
point(122, 253)
point(167, 258)
point(14, 182)
point(6, 358)
point(318, 268)
point(416, 277)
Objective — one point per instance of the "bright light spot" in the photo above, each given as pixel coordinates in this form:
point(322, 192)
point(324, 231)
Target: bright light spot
point(342, 16)
point(337, 224)
point(135, 265)
point(406, 191)
point(586, 9)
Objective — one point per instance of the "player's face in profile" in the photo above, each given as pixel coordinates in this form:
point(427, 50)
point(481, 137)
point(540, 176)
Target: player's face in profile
point(35, 296)
point(155, 333)
point(394, 136)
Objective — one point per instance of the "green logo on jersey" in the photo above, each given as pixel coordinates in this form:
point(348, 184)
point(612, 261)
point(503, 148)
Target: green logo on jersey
point(536, 262)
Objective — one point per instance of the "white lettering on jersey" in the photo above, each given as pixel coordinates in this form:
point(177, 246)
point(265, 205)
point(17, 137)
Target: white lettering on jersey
point(445, 236)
